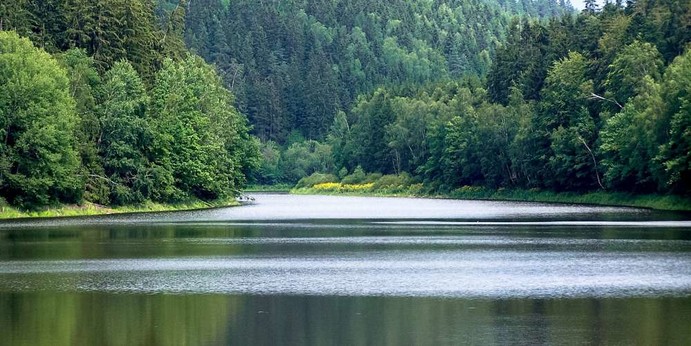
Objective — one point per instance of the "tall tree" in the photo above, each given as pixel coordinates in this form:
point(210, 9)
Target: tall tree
point(675, 154)
point(85, 82)
point(198, 134)
point(38, 161)
point(124, 134)
point(570, 128)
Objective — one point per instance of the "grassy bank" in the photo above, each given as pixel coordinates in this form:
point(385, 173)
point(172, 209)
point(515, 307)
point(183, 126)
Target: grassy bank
point(661, 202)
point(86, 209)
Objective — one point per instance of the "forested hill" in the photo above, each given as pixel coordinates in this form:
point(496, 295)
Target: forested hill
point(293, 64)
point(101, 101)
point(599, 100)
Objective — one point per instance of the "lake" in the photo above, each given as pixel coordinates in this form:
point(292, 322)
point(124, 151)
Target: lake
point(324, 270)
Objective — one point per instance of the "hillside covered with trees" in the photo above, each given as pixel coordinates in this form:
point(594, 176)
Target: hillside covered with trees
point(100, 101)
point(119, 102)
point(593, 101)
point(294, 64)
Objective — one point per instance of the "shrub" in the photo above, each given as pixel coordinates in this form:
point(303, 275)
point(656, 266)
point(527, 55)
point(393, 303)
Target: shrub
point(316, 178)
point(393, 182)
point(358, 176)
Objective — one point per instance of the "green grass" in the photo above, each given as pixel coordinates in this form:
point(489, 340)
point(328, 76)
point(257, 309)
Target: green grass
point(661, 202)
point(87, 209)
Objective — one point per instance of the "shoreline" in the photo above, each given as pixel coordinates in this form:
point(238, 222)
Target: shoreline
point(614, 199)
point(92, 209)
point(655, 202)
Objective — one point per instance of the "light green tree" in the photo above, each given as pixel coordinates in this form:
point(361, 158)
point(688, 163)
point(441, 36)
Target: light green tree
point(38, 161)
point(675, 154)
point(124, 134)
point(630, 66)
point(198, 135)
point(630, 140)
point(569, 127)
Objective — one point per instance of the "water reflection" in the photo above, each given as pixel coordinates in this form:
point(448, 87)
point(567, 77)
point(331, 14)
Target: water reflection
point(112, 319)
point(412, 272)
point(273, 207)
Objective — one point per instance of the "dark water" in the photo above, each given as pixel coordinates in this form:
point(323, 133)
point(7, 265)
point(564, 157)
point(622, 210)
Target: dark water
point(339, 270)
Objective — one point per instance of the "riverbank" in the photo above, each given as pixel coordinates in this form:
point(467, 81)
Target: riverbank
point(90, 209)
point(282, 188)
point(659, 202)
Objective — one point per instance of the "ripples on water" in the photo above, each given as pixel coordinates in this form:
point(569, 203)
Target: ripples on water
point(485, 274)
point(435, 255)
point(350, 270)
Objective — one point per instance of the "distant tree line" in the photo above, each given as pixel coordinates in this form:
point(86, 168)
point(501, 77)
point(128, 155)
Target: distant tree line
point(294, 64)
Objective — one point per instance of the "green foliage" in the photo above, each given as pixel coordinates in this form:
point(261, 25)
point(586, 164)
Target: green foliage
point(294, 65)
point(630, 141)
point(124, 135)
point(84, 85)
point(521, 62)
point(38, 161)
point(316, 178)
point(675, 153)
point(393, 183)
point(198, 134)
point(570, 128)
point(359, 177)
point(576, 104)
point(269, 172)
point(631, 65)
point(304, 158)
point(96, 125)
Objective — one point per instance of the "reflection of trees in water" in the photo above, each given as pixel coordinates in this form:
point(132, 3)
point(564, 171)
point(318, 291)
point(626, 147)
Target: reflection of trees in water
point(116, 319)
point(437, 321)
point(122, 319)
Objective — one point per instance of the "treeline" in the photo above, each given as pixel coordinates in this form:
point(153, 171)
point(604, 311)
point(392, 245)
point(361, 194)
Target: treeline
point(294, 64)
point(601, 100)
point(100, 101)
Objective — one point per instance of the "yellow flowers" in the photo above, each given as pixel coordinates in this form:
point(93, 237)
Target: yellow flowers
point(339, 187)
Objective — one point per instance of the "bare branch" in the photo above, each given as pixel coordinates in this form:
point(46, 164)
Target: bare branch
point(597, 175)
point(596, 96)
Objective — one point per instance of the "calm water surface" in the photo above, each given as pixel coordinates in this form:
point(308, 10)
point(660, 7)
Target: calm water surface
point(322, 270)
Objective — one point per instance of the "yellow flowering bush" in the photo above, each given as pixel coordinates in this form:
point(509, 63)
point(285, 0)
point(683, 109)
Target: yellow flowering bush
point(356, 187)
point(339, 187)
point(328, 186)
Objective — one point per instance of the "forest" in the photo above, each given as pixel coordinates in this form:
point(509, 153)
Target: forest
point(118, 102)
point(569, 102)
point(101, 102)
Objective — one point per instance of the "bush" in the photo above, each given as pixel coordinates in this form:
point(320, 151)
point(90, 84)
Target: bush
point(316, 178)
point(393, 182)
point(358, 176)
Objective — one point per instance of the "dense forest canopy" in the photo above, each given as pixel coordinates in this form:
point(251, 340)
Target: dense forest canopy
point(576, 102)
point(100, 101)
point(110, 101)
point(294, 64)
